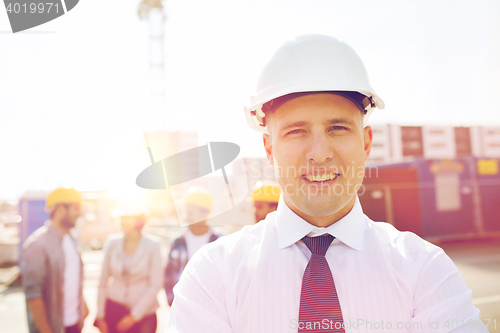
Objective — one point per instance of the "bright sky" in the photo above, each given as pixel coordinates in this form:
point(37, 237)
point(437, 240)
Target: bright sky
point(74, 92)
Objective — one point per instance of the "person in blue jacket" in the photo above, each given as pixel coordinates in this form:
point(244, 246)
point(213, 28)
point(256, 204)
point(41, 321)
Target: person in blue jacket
point(198, 206)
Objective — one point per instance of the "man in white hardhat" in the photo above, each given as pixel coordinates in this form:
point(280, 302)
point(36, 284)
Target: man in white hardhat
point(319, 264)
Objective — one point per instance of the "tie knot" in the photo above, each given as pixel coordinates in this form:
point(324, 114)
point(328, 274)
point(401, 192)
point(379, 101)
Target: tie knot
point(318, 244)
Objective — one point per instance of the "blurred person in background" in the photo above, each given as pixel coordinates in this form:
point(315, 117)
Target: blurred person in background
point(52, 269)
point(265, 200)
point(131, 278)
point(198, 206)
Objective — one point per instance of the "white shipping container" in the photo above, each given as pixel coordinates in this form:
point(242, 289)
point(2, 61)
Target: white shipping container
point(439, 142)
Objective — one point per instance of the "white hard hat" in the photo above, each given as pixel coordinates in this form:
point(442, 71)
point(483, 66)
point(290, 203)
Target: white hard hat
point(307, 64)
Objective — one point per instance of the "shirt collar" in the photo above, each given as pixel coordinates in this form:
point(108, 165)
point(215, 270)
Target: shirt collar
point(291, 228)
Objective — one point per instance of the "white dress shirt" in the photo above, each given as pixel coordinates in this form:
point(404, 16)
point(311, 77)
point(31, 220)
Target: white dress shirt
point(386, 280)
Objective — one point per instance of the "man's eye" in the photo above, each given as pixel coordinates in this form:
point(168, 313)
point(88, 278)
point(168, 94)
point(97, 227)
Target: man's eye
point(338, 128)
point(297, 131)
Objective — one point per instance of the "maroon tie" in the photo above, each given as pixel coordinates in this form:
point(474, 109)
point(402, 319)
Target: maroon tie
point(319, 304)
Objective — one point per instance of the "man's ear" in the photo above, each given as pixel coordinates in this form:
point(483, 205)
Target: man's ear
point(268, 147)
point(368, 138)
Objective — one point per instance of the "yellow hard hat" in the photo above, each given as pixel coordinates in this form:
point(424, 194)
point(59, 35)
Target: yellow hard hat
point(200, 199)
point(268, 193)
point(63, 195)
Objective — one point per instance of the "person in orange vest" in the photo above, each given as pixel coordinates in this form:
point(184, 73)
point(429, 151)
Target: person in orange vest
point(52, 269)
point(265, 200)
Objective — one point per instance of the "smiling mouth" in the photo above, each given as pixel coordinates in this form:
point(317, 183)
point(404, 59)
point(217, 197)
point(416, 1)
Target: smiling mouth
point(321, 178)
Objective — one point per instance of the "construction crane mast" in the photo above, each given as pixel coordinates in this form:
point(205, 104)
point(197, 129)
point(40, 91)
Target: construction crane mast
point(152, 11)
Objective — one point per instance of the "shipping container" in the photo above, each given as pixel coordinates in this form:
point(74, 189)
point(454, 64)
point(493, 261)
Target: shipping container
point(435, 198)
point(33, 214)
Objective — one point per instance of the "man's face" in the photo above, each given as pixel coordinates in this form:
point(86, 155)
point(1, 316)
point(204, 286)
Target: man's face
point(262, 208)
point(195, 214)
point(128, 223)
point(71, 214)
point(313, 137)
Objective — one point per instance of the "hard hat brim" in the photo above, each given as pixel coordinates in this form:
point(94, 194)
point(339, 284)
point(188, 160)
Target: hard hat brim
point(253, 121)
